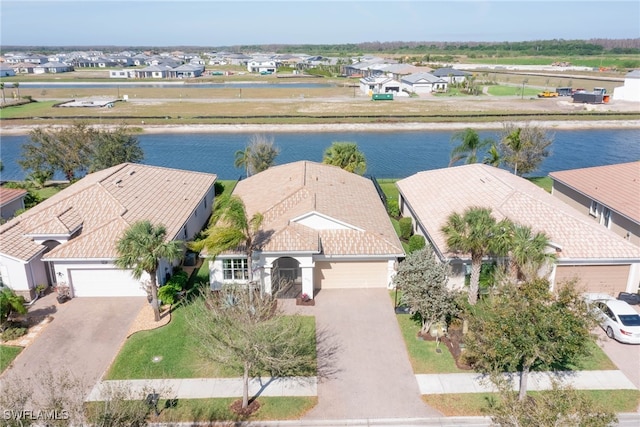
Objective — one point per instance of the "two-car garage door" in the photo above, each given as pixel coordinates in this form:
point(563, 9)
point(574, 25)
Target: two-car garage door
point(350, 274)
point(104, 283)
point(609, 279)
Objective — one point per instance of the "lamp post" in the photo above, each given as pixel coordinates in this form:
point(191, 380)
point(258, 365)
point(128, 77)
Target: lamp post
point(523, 83)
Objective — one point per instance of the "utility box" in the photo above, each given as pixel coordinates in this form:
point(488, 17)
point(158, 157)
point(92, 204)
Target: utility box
point(382, 97)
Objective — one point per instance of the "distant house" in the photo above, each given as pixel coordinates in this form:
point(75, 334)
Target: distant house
point(451, 75)
point(53, 68)
point(154, 72)
point(631, 89)
point(122, 74)
point(609, 195)
point(186, 71)
point(6, 70)
point(11, 201)
point(371, 85)
point(262, 65)
point(599, 259)
point(71, 237)
point(322, 228)
point(423, 83)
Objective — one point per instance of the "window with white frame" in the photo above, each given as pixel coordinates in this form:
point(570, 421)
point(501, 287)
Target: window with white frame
point(593, 209)
point(234, 269)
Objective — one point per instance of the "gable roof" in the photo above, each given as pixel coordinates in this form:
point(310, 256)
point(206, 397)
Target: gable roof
point(426, 77)
point(615, 186)
point(446, 71)
point(434, 195)
point(292, 191)
point(8, 195)
point(103, 205)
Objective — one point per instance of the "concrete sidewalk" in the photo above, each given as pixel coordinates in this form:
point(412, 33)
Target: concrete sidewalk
point(472, 382)
point(200, 388)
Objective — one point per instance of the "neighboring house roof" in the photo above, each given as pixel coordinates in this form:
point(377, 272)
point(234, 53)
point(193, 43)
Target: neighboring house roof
point(615, 186)
point(8, 195)
point(447, 71)
point(354, 219)
point(434, 195)
point(422, 78)
point(103, 205)
point(635, 74)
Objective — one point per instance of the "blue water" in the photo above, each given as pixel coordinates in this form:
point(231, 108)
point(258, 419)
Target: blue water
point(125, 85)
point(389, 154)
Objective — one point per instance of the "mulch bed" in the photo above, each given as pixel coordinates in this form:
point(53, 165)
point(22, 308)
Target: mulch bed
point(236, 407)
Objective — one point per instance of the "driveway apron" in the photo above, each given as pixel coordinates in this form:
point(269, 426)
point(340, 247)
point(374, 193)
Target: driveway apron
point(371, 374)
point(83, 338)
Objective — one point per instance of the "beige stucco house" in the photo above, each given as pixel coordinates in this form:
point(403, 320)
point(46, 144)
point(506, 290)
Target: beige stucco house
point(608, 195)
point(325, 227)
point(11, 201)
point(71, 237)
point(601, 260)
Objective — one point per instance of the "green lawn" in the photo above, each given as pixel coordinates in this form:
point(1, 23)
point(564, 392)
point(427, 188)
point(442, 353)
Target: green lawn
point(498, 90)
point(544, 182)
point(389, 188)
point(472, 404)
point(179, 353)
point(7, 354)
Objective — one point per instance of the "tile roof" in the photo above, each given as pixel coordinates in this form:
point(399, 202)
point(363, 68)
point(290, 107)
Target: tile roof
point(434, 195)
point(286, 192)
point(615, 186)
point(8, 195)
point(103, 204)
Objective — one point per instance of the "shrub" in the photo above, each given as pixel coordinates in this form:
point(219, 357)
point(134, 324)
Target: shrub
point(218, 188)
point(179, 279)
point(416, 242)
point(393, 209)
point(13, 333)
point(168, 293)
point(406, 227)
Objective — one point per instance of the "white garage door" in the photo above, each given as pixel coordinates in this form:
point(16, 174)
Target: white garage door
point(104, 283)
point(352, 274)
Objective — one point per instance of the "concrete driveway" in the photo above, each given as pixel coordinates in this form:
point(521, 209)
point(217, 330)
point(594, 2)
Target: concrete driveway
point(370, 375)
point(83, 337)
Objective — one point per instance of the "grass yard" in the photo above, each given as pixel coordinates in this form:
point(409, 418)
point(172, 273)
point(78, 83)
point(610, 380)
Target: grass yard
point(7, 354)
point(423, 355)
point(179, 353)
point(544, 182)
point(389, 188)
point(499, 90)
point(473, 404)
point(209, 410)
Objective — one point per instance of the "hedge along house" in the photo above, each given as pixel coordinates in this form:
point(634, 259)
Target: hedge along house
point(599, 259)
point(71, 237)
point(324, 228)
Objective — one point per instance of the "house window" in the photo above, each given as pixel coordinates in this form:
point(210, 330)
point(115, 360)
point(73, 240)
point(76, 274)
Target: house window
point(234, 269)
point(593, 209)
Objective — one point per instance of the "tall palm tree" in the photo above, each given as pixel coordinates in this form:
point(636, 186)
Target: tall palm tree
point(230, 228)
point(516, 145)
point(493, 157)
point(470, 143)
point(2, 88)
point(262, 154)
point(346, 156)
point(476, 232)
point(140, 248)
point(528, 253)
point(242, 159)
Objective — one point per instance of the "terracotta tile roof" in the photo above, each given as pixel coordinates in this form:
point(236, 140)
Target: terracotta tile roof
point(434, 195)
point(615, 186)
point(103, 204)
point(8, 195)
point(286, 192)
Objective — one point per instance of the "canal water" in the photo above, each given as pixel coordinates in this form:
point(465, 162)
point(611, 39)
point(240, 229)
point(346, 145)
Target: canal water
point(388, 154)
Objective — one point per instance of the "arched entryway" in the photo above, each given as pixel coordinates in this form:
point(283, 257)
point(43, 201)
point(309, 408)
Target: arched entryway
point(51, 276)
point(286, 277)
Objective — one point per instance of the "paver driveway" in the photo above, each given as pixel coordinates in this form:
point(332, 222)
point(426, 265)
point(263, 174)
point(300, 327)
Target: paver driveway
point(84, 337)
point(373, 377)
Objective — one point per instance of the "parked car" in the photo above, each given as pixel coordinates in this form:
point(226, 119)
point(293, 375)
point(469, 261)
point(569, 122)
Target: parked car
point(629, 298)
point(619, 320)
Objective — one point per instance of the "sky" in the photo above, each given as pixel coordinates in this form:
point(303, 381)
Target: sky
point(232, 23)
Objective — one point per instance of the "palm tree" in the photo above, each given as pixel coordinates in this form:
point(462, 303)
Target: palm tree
point(493, 157)
point(17, 86)
point(230, 228)
point(346, 156)
point(262, 153)
point(140, 248)
point(470, 143)
point(516, 145)
point(476, 232)
point(242, 159)
point(528, 253)
point(2, 88)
